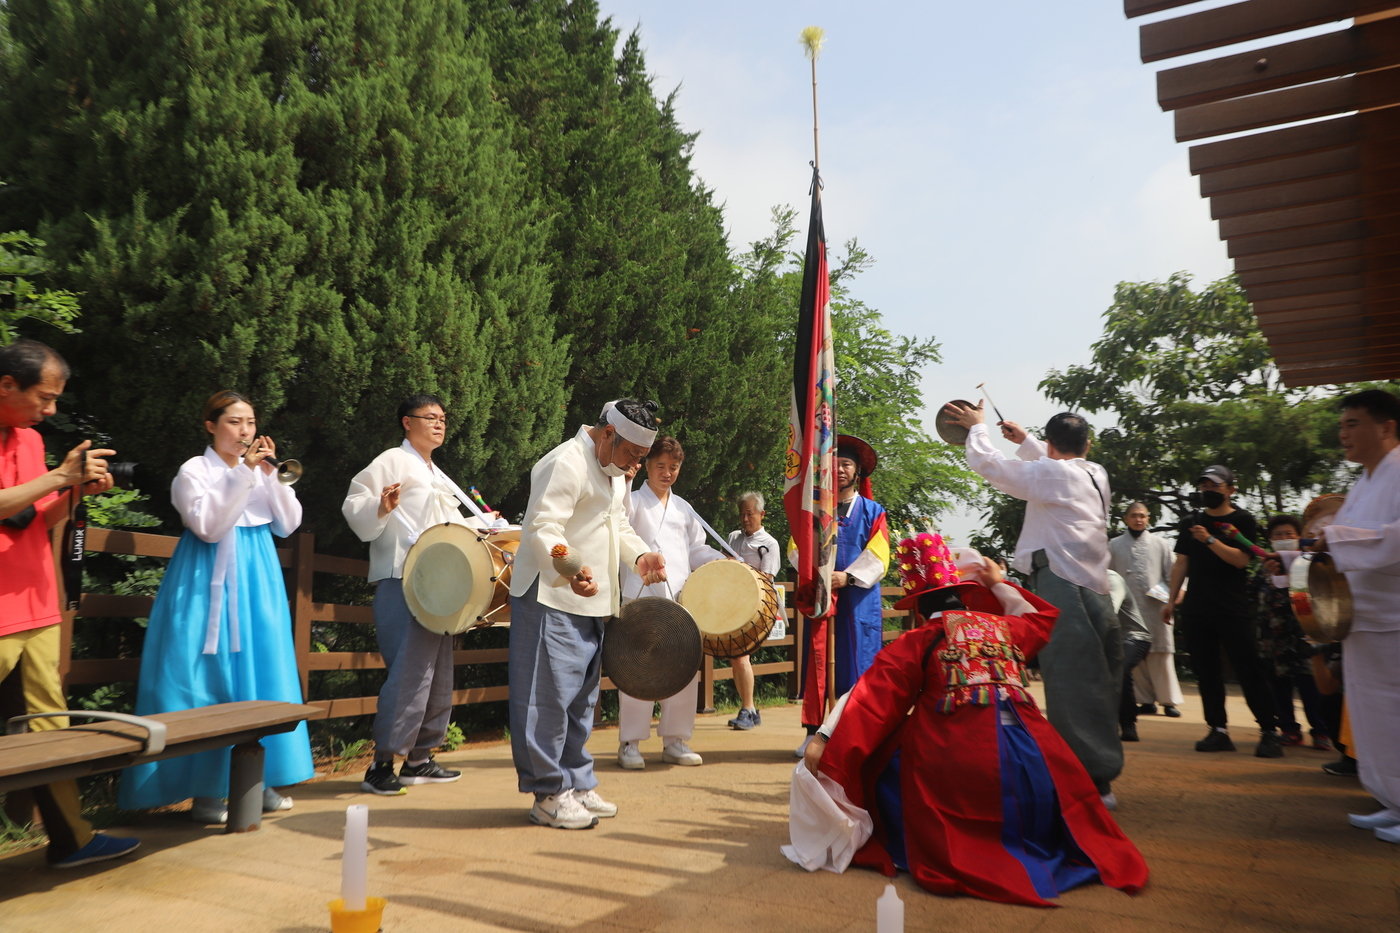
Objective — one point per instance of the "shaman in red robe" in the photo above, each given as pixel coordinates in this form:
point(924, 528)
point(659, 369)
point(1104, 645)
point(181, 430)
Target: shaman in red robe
point(970, 788)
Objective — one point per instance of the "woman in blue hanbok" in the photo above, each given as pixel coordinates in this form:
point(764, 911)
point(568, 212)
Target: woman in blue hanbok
point(220, 630)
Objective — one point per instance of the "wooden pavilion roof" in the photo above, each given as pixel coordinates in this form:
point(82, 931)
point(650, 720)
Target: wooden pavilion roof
point(1310, 210)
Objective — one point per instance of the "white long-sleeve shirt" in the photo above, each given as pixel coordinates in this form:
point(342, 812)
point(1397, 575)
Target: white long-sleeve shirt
point(671, 528)
point(1364, 540)
point(213, 498)
point(759, 550)
point(574, 503)
point(1066, 507)
point(425, 500)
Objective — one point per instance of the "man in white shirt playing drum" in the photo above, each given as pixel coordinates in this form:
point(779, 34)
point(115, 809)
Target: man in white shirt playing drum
point(1063, 548)
point(668, 524)
point(1364, 541)
point(390, 503)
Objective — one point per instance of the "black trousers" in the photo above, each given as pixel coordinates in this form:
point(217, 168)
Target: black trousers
point(1134, 650)
point(1213, 629)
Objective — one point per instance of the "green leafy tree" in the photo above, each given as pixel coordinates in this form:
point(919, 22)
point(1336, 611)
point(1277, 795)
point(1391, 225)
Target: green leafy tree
point(21, 261)
point(1188, 379)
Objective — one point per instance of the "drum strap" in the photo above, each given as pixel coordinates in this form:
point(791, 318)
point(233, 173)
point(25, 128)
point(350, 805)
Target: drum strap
point(713, 534)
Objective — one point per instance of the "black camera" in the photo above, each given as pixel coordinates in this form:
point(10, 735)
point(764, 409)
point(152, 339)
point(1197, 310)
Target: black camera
point(125, 473)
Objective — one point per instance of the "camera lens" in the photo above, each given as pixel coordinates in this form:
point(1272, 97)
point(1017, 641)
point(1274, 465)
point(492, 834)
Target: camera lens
point(123, 473)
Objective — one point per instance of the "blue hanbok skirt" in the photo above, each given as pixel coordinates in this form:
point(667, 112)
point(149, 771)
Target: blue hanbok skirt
point(176, 674)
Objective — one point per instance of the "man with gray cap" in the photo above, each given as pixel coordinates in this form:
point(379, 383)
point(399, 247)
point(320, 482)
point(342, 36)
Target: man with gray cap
point(1213, 551)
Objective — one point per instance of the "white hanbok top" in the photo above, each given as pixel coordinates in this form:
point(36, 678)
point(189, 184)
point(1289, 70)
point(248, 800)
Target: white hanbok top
point(213, 499)
point(1364, 540)
point(1066, 507)
point(671, 528)
point(425, 499)
point(574, 503)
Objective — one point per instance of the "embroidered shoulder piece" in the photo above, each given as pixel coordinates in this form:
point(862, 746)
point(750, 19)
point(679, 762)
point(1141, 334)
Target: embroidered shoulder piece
point(979, 661)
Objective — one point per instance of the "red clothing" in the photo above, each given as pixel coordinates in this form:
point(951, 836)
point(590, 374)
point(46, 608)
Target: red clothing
point(950, 772)
point(28, 587)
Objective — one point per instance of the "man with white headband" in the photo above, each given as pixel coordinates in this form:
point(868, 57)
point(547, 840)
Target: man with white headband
point(563, 588)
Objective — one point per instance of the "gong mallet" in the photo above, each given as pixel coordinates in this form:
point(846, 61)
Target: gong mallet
point(982, 386)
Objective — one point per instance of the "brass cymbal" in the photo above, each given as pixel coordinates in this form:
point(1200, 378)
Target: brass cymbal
point(947, 429)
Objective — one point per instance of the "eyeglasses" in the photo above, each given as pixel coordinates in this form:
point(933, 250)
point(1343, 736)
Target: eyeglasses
point(431, 419)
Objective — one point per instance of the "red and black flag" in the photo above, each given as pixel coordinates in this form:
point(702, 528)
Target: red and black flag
point(809, 495)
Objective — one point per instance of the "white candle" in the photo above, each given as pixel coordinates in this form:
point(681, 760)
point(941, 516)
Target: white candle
point(889, 912)
point(354, 860)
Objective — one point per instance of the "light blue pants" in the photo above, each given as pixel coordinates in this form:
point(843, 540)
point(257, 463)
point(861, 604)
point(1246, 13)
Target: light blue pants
point(415, 703)
point(555, 661)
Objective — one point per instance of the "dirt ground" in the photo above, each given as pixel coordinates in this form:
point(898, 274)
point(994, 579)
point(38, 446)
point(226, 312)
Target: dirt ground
point(1234, 843)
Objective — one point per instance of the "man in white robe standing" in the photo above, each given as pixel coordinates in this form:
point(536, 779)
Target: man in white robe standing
point(1364, 541)
point(1144, 561)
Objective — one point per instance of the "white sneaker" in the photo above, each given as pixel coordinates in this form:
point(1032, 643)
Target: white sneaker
point(594, 804)
point(1110, 802)
point(629, 756)
point(274, 802)
point(1381, 819)
point(676, 752)
point(802, 749)
point(562, 811)
point(208, 810)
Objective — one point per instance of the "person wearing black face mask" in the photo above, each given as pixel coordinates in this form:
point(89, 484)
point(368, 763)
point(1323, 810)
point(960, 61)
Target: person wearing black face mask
point(1216, 612)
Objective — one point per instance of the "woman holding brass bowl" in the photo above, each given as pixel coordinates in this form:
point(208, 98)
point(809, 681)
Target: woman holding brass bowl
point(220, 630)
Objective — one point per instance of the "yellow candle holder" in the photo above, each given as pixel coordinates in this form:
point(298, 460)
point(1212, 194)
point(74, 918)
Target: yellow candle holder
point(357, 921)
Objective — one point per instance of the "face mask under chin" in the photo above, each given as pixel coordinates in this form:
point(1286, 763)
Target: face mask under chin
point(612, 469)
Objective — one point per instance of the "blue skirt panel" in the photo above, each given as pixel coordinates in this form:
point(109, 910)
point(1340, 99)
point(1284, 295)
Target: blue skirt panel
point(176, 674)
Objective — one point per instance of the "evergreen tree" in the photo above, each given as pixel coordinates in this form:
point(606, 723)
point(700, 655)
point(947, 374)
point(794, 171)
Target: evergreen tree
point(643, 281)
point(315, 202)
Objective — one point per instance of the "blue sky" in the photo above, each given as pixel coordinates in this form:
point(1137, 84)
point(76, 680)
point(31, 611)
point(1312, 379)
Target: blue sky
point(1005, 164)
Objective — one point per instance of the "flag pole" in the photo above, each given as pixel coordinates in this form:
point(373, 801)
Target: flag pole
point(812, 39)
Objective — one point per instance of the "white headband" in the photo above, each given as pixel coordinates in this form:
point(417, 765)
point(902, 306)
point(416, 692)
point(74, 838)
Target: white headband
point(630, 430)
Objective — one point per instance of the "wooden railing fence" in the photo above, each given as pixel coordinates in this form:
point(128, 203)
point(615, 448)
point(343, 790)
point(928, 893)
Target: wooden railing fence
point(302, 564)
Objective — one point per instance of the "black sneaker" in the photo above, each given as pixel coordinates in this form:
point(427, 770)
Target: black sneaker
point(746, 720)
point(1344, 766)
point(1270, 745)
point(380, 779)
point(1215, 741)
point(1128, 731)
point(429, 772)
point(1147, 709)
point(1171, 712)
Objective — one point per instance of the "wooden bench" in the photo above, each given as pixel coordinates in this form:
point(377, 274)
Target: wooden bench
point(35, 758)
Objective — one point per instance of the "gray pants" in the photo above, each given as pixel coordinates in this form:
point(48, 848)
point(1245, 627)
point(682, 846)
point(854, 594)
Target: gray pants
point(556, 658)
point(1083, 671)
point(415, 703)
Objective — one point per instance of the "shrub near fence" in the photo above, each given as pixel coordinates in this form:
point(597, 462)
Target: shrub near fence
point(303, 568)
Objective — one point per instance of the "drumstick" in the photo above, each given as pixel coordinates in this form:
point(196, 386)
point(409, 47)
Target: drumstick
point(982, 386)
point(568, 565)
point(476, 496)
